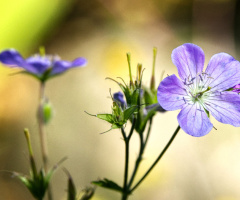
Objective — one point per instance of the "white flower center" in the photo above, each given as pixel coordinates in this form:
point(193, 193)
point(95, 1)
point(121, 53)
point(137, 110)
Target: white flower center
point(198, 88)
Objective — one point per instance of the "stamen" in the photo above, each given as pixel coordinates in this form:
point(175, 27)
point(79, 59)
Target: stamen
point(210, 77)
point(184, 100)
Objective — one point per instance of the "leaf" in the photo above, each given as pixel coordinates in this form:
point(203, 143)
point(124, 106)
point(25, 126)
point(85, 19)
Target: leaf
point(108, 184)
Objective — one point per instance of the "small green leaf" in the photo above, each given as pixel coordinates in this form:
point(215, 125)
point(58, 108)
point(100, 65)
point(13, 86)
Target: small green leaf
point(108, 184)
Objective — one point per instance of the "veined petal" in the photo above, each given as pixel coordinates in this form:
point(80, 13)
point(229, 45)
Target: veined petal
point(225, 107)
point(12, 58)
point(194, 121)
point(171, 93)
point(218, 62)
point(189, 60)
point(223, 72)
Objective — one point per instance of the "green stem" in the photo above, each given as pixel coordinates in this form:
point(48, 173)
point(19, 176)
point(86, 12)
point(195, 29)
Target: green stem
point(32, 161)
point(158, 158)
point(126, 138)
point(149, 131)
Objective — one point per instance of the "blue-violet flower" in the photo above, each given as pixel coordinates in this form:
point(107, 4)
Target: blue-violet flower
point(118, 96)
point(199, 93)
point(42, 67)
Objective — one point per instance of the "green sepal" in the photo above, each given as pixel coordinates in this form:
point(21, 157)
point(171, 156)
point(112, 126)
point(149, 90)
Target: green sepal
point(149, 115)
point(128, 112)
point(150, 96)
point(106, 117)
point(105, 183)
point(37, 184)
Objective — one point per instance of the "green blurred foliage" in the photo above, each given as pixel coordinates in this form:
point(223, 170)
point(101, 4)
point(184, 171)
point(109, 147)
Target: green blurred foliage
point(24, 24)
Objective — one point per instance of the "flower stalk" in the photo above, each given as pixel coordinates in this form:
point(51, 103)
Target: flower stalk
point(42, 133)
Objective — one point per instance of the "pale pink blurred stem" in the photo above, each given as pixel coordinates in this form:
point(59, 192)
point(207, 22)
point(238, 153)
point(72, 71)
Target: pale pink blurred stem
point(42, 134)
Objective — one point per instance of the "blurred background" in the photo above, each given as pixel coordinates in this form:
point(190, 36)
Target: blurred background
point(103, 31)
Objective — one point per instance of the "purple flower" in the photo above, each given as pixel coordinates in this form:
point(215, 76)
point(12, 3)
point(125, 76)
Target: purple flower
point(199, 93)
point(42, 67)
point(118, 97)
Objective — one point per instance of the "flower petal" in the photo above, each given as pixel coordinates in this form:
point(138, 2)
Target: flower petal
point(12, 58)
point(79, 62)
point(38, 64)
point(61, 65)
point(223, 72)
point(189, 60)
point(171, 93)
point(194, 121)
point(225, 107)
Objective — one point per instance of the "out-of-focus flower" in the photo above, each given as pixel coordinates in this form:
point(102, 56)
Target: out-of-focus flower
point(199, 93)
point(119, 98)
point(42, 67)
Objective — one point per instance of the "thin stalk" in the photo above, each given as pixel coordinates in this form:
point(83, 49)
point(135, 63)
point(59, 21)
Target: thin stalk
point(158, 158)
point(140, 154)
point(148, 132)
point(127, 140)
point(126, 163)
point(42, 133)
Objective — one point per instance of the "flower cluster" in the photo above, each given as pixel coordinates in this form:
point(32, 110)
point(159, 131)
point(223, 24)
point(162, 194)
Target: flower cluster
point(199, 93)
point(134, 99)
